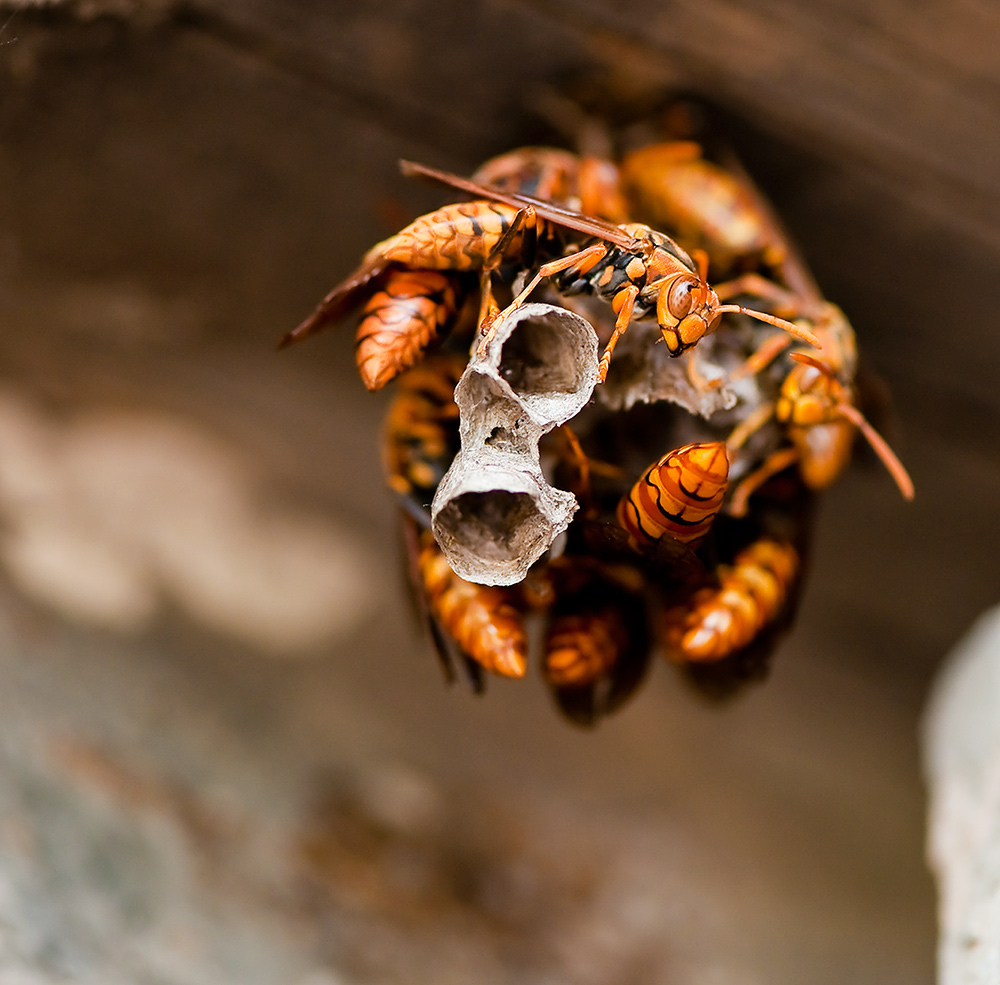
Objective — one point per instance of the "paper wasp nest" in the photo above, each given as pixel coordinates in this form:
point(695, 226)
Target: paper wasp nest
point(679, 490)
point(494, 513)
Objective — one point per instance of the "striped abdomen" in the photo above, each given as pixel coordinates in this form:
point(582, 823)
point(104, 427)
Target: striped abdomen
point(400, 320)
point(678, 496)
point(480, 618)
point(420, 431)
point(715, 622)
point(457, 237)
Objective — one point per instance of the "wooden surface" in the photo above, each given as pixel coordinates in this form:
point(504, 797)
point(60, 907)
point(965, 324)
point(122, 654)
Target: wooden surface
point(179, 186)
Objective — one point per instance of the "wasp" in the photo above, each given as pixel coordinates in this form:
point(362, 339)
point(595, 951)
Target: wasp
point(642, 272)
point(716, 621)
point(677, 496)
point(420, 430)
point(410, 309)
point(588, 184)
point(816, 406)
point(673, 185)
point(483, 621)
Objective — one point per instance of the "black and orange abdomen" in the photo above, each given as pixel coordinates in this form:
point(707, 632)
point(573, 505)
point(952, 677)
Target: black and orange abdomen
point(716, 621)
point(420, 433)
point(481, 619)
point(400, 320)
point(456, 237)
point(678, 496)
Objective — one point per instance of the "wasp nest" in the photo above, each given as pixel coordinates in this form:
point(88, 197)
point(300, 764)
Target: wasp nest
point(494, 513)
point(658, 494)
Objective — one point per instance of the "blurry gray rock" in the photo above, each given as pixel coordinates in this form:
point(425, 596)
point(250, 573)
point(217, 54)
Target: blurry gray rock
point(962, 759)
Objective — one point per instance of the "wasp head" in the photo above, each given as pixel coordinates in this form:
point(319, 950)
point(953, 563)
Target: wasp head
point(686, 310)
point(810, 394)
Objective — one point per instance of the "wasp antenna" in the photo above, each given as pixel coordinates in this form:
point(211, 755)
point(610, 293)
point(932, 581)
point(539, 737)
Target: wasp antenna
point(797, 330)
point(808, 360)
point(881, 448)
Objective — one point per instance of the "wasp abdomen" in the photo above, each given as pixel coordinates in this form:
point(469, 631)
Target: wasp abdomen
point(457, 237)
point(715, 622)
point(678, 496)
point(400, 321)
point(583, 646)
point(481, 619)
point(420, 433)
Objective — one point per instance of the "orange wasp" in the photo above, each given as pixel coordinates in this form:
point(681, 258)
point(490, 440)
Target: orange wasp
point(677, 496)
point(715, 621)
point(483, 621)
point(816, 404)
point(642, 272)
point(672, 185)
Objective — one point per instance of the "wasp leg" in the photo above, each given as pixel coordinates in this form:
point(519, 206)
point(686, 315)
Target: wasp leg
point(789, 303)
point(694, 375)
point(775, 463)
point(762, 357)
point(583, 260)
point(751, 423)
point(488, 310)
point(626, 299)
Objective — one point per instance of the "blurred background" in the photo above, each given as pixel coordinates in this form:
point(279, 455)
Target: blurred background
point(228, 755)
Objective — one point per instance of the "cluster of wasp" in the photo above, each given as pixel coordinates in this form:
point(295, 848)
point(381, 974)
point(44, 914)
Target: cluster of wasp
point(694, 463)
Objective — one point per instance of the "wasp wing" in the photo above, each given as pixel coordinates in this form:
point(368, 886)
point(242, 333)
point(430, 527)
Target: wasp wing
point(340, 300)
point(589, 225)
point(448, 653)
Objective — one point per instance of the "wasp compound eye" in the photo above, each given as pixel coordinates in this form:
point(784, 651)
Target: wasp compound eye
point(679, 297)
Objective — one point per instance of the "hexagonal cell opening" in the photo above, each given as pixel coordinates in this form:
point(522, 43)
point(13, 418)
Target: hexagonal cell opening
point(540, 358)
point(493, 526)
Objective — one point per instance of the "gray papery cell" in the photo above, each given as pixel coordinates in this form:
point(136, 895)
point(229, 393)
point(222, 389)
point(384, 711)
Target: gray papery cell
point(494, 513)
